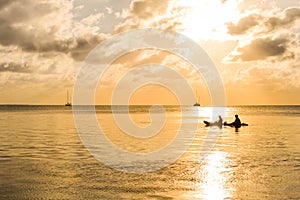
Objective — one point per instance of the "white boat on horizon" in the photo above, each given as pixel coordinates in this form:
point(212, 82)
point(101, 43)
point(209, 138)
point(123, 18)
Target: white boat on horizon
point(68, 102)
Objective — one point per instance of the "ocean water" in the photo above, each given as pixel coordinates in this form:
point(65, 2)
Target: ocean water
point(43, 157)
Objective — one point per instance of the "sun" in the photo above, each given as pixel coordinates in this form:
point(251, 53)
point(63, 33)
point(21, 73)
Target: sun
point(206, 19)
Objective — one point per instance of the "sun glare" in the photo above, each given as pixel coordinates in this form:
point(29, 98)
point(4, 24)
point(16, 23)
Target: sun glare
point(207, 19)
point(213, 186)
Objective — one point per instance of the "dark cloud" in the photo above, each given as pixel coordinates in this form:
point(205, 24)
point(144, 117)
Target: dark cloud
point(20, 27)
point(17, 30)
point(291, 15)
point(266, 24)
point(263, 48)
point(17, 36)
point(243, 25)
point(10, 34)
point(15, 26)
point(271, 37)
point(15, 67)
point(158, 13)
point(24, 11)
point(145, 9)
point(84, 45)
point(4, 3)
point(78, 48)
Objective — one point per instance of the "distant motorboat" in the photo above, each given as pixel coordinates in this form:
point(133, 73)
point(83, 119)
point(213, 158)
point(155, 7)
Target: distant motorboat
point(68, 102)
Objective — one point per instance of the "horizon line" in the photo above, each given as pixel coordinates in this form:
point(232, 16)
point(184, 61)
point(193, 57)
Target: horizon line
point(21, 104)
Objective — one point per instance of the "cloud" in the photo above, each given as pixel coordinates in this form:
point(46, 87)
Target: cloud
point(15, 67)
point(92, 19)
point(78, 48)
point(265, 37)
point(14, 21)
point(21, 23)
point(163, 14)
point(4, 3)
point(40, 40)
point(291, 15)
point(38, 28)
point(114, 12)
point(243, 25)
point(265, 23)
point(277, 77)
point(263, 48)
point(33, 64)
point(145, 9)
point(83, 45)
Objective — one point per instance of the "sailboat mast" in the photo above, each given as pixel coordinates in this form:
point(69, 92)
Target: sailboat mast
point(67, 96)
point(196, 104)
point(68, 102)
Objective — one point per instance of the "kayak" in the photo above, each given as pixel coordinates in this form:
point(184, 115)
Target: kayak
point(235, 125)
point(207, 123)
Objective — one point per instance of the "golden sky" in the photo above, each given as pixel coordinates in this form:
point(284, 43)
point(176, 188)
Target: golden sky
point(253, 43)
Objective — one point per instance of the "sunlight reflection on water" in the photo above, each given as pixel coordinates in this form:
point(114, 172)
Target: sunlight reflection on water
point(212, 178)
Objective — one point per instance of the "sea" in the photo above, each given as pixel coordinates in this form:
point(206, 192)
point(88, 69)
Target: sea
point(43, 153)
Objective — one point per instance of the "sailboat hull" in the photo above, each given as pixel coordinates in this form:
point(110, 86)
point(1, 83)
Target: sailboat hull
point(196, 104)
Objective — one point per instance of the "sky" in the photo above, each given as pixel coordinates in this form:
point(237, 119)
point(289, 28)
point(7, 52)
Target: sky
point(253, 43)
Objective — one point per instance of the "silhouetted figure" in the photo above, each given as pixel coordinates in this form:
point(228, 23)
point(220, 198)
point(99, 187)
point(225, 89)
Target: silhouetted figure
point(220, 121)
point(237, 122)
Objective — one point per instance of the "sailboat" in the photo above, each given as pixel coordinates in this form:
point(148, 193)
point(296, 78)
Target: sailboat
point(196, 104)
point(68, 102)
